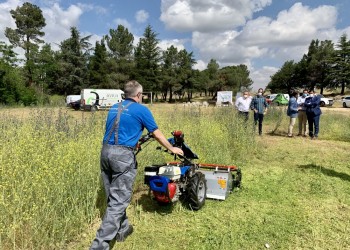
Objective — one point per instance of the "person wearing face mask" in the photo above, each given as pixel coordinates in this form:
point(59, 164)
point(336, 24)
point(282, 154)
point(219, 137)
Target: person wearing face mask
point(259, 106)
point(292, 112)
point(302, 118)
point(243, 104)
point(313, 113)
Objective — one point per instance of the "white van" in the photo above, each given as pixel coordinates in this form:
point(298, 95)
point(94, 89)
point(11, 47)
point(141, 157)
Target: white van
point(95, 99)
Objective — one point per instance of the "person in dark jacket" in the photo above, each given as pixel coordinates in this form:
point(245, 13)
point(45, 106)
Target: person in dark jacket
point(313, 113)
point(259, 106)
point(292, 112)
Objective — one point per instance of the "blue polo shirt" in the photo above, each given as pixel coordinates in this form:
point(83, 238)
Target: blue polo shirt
point(133, 120)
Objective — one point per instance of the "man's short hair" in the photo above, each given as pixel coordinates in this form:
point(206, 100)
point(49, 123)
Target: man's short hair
point(132, 88)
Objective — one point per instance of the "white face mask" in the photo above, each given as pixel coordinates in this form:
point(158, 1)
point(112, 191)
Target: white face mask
point(259, 93)
point(245, 96)
point(311, 95)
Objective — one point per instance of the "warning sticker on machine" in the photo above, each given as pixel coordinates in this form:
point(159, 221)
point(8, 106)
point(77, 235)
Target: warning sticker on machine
point(222, 183)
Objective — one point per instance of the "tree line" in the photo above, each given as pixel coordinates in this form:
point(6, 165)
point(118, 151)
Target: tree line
point(325, 66)
point(112, 61)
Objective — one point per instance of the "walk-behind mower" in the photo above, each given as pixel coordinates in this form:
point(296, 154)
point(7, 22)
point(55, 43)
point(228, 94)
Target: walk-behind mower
point(187, 181)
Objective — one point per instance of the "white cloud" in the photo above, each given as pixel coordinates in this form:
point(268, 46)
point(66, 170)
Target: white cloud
point(224, 48)
point(123, 22)
point(164, 44)
point(59, 22)
point(269, 41)
point(6, 19)
point(261, 77)
point(200, 65)
point(141, 16)
point(286, 38)
point(93, 39)
point(208, 15)
point(293, 27)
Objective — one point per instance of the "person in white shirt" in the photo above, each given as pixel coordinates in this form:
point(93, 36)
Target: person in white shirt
point(243, 105)
point(302, 118)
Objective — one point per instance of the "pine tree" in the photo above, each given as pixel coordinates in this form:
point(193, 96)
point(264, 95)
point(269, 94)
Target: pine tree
point(29, 21)
point(147, 59)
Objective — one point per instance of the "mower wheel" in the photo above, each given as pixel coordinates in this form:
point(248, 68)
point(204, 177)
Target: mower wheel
point(196, 191)
point(237, 180)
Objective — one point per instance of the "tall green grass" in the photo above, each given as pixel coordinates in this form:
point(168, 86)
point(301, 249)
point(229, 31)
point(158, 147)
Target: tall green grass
point(50, 190)
point(49, 165)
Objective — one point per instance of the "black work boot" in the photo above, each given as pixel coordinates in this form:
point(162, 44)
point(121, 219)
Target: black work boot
point(120, 237)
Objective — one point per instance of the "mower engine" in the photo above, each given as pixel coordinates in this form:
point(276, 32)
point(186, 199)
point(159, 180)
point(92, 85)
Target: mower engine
point(168, 182)
point(164, 181)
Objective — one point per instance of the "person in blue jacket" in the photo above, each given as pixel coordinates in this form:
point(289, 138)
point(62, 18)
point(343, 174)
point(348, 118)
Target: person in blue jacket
point(292, 112)
point(313, 113)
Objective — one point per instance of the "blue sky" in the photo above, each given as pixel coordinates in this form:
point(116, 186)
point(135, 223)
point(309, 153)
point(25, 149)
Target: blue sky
point(262, 34)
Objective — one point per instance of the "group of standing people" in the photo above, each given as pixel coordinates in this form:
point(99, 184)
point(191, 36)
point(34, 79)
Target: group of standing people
point(258, 104)
point(305, 107)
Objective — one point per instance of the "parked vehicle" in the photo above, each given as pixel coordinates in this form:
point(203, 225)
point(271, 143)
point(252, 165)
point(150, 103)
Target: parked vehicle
point(346, 102)
point(326, 101)
point(281, 99)
point(75, 105)
point(269, 98)
point(95, 99)
point(72, 98)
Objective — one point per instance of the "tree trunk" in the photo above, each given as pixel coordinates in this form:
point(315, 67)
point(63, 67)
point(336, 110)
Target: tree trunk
point(321, 91)
point(170, 93)
point(27, 55)
point(342, 88)
point(164, 95)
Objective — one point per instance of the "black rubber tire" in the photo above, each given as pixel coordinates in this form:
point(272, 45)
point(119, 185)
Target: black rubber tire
point(237, 180)
point(322, 104)
point(344, 105)
point(196, 191)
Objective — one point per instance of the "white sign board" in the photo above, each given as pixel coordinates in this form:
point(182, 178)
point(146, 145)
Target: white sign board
point(224, 96)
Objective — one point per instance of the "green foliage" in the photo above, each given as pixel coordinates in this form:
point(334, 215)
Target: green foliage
point(323, 67)
point(12, 87)
point(73, 59)
point(340, 71)
point(120, 43)
point(29, 21)
point(98, 67)
point(282, 81)
point(176, 72)
point(147, 59)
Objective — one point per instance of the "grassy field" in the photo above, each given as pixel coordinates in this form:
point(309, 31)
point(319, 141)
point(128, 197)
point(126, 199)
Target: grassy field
point(295, 192)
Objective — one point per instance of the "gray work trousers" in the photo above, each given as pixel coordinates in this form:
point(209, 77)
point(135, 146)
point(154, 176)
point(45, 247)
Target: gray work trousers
point(118, 171)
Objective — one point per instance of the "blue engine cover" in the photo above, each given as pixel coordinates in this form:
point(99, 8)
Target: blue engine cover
point(184, 170)
point(159, 183)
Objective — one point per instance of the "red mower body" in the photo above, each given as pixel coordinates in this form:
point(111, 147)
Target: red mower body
point(166, 197)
